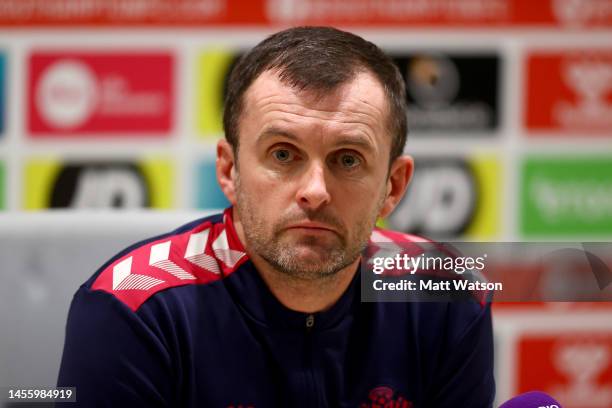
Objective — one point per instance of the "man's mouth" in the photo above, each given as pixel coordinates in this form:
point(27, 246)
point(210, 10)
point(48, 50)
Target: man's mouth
point(310, 225)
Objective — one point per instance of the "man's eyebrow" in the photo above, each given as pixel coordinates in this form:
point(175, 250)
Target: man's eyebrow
point(357, 140)
point(274, 131)
point(344, 140)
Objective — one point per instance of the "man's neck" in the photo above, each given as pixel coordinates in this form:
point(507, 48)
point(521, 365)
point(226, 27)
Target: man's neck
point(302, 295)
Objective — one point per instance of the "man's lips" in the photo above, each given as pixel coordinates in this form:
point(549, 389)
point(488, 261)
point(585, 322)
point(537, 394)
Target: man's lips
point(314, 226)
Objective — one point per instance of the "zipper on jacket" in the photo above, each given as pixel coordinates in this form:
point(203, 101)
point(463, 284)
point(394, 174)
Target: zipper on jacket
point(310, 321)
point(310, 398)
point(315, 390)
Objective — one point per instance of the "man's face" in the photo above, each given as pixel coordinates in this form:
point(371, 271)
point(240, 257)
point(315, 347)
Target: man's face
point(310, 176)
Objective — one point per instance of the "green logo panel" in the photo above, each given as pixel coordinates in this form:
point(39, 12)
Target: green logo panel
point(566, 196)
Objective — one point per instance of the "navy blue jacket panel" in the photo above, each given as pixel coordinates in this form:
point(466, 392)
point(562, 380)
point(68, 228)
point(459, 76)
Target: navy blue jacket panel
point(185, 320)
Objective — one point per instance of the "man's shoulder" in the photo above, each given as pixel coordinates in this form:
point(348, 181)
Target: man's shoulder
point(389, 244)
point(385, 242)
point(200, 252)
point(380, 235)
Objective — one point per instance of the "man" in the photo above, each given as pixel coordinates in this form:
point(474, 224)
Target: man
point(260, 306)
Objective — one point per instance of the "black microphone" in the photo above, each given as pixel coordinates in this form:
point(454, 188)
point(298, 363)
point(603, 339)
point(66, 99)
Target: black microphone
point(532, 399)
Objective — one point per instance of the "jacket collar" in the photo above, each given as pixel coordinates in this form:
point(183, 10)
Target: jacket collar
point(260, 304)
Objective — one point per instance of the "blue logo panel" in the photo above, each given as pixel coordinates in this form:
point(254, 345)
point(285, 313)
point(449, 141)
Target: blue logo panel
point(208, 193)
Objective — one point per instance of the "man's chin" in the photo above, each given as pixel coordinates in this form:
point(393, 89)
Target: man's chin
point(315, 254)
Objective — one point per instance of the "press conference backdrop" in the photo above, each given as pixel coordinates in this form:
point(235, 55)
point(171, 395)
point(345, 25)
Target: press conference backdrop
point(117, 105)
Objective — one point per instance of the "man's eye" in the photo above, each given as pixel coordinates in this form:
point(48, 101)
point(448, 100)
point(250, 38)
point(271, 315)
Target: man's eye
point(282, 155)
point(349, 161)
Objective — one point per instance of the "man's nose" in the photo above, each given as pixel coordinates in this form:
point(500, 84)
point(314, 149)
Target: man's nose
point(313, 191)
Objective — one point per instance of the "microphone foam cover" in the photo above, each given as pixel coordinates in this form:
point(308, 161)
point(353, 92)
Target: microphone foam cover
point(532, 399)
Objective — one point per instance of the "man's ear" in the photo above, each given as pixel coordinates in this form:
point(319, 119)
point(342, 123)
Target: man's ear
point(399, 176)
point(226, 170)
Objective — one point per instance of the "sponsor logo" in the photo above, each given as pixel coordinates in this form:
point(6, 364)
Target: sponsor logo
point(576, 369)
point(450, 197)
point(376, 11)
point(591, 81)
point(451, 92)
point(383, 397)
point(577, 13)
point(570, 92)
point(67, 94)
point(111, 184)
point(582, 364)
point(208, 192)
point(121, 12)
point(105, 93)
point(566, 195)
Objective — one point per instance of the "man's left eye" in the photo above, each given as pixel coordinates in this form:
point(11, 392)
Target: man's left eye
point(349, 160)
point(282, 155)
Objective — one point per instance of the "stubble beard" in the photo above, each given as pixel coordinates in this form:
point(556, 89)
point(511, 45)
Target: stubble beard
point(271, 242)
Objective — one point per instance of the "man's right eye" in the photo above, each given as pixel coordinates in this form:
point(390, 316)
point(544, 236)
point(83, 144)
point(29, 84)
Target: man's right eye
point(282, 155)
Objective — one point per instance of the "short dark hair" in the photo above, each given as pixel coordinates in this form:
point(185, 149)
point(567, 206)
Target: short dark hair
point(318, 59)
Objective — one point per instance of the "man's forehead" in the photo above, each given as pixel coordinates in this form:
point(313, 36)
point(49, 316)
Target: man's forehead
point(362, 95)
